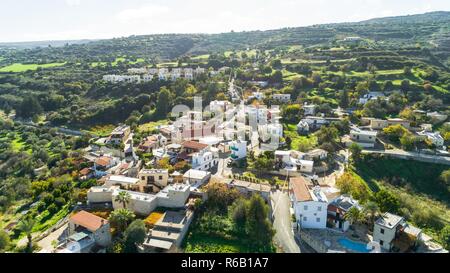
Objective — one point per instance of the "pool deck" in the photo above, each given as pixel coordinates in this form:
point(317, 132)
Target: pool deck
point(330, 237)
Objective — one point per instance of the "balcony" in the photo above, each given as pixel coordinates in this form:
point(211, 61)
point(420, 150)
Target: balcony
point(234, 148)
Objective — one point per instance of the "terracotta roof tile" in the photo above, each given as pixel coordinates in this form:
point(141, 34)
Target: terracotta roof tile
point(88, 220)
point(300, 189)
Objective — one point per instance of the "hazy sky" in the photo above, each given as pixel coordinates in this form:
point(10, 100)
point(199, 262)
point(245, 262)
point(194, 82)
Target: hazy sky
point(34, 20)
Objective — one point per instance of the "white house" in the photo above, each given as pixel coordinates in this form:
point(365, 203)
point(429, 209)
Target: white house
point(309, 109)
point(364, 138)
point(238, 149)
point(285, 98)
point(147, 77)
point(196, 178)
point(272, 131)
point(309, 203)
point(435, 138)
point(204, 160)
point(370, 96)
point(124, 182)
point(258, 95)
point(386, 229)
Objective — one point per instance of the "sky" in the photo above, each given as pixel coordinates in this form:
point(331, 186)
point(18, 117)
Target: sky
point(42, 20)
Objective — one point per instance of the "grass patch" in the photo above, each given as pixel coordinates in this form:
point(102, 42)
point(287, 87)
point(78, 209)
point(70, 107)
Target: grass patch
point(299, 143)
point(101, 130)
point(150, 126)
point(18, 67)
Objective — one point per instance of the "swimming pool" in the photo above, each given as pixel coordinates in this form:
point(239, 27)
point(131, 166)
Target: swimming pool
point(354, 246)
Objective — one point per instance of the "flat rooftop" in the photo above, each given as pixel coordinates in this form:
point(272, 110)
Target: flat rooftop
point(389, 220)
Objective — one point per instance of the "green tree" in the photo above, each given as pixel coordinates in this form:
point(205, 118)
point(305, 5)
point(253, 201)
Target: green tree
point(26, 226)
point(258, 227)
point(238, 213)
point(355, 150)
point(124, 198)
point(29, 107)
point(445, 177)
point(371, 211)
point(4, 240)
point(444, 237)
point(354, 216)
point(344, 99)
point(120, 218)
point(163, 105)
point(387, 201)
point(135, 234)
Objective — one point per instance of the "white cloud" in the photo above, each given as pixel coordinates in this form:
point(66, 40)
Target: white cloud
point(73, 3)
point(143, 14)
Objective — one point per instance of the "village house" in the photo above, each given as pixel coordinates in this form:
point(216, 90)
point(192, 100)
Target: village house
point(127, 183)
point(172, 196)
point(337, 209)
point(122, 78)
point(270, 132)
point(316, 155)
point(285, 98)
point(380, 124)
point(309, 203)
point(153, 180)
point(168, 232)
point(152, 142)
point(205, 160)
point(434, 138)
point(120, 134)
point(311, 123)
point(293, 161)
point(238, 149)
point(364, 138)
point(248, 188)
point(85, 232)
point(103, 163)
point(394, 234)
point(370, 96)
point(309, 109)
point(196, 178)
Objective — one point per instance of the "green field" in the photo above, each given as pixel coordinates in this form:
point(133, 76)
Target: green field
point(200, 57)
point(17, 67)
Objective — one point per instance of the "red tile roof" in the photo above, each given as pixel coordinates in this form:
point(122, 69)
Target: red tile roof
point(300, 189)
point(85, 171)
point(194, 145)
point(88, 220)
point(103, 161)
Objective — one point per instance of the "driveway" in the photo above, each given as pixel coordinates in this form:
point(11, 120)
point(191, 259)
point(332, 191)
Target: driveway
point(284, 235)
point(56, 236)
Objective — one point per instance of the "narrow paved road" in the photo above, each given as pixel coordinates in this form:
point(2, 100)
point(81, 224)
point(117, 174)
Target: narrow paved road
point(284, 235)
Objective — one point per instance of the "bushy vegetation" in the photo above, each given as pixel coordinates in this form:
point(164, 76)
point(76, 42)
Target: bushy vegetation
point(229, 223)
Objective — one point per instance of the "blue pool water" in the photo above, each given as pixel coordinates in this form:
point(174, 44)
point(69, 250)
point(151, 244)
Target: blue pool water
point(355, 246)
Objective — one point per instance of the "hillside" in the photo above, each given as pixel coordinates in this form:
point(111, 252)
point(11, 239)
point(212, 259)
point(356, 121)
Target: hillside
point(430, 30)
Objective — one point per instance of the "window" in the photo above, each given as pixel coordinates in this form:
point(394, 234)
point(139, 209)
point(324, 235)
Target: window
point(160, 177)
point(382, 230)
point(319, 208)
point(305, 218)
point(381, 242)
point(318, 220)
point(305, 207)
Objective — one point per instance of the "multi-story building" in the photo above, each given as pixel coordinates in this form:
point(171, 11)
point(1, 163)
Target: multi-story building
point(238, 149)
point(153, 180)
point(310, 204)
